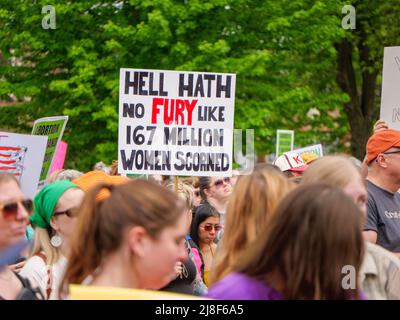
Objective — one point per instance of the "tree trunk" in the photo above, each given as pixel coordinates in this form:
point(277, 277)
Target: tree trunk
point(359, 137)
point(361, 106)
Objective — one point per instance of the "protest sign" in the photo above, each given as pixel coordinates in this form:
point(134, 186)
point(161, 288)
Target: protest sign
point(22, 155)
point(59, 157)
point(81, 292)
point(316, 149)
point(390, 101)
point(175, 122)
point(53, 128)
point(310, 153)
point(284, 141)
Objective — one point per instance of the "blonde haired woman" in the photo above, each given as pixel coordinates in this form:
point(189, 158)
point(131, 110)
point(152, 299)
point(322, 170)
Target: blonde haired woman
point(380, 271)
point(249, 211)
point(54, 220)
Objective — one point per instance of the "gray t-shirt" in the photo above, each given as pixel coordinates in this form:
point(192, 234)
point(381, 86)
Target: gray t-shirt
point(383, 216)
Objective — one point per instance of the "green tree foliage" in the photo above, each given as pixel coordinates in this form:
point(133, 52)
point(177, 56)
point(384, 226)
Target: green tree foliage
point(360, 57)
point(283, 53)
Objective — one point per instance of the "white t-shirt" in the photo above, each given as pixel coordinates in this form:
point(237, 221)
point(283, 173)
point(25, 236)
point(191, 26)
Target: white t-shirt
point(36, 271)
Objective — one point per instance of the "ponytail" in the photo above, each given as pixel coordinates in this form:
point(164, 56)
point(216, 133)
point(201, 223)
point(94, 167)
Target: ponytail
point(106, 212)
point(204, 183)
point(85, 255)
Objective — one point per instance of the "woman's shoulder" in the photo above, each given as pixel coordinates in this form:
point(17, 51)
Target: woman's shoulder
point(239, 286)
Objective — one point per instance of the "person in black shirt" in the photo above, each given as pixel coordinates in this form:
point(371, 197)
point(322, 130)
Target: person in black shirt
point(189, 273)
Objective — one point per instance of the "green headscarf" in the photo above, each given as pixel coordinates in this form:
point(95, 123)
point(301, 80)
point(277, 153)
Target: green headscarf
point(45, 202)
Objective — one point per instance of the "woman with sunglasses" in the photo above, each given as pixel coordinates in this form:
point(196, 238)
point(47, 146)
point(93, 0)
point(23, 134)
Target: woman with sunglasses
point(189, 275)
point(204, 229)
point(54, 218)
point(215, 191)
point(14, 215)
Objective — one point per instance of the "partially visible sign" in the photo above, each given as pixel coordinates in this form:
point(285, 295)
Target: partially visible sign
point(80, 292)
point(59, 157)
point(22, 155)
point(53, 128)
point(390, 101)
point(316, 149)
point(284, 141)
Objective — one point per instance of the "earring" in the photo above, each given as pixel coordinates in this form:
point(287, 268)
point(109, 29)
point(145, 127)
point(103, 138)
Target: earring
point(55, 241)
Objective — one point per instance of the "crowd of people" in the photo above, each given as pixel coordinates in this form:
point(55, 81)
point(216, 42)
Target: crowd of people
point(301, 228)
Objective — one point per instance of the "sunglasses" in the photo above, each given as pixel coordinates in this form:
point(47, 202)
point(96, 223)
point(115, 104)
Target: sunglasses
point(218, 183)
point(10, 210)
point(391, 152)
point(209, 227)
point(70, 213)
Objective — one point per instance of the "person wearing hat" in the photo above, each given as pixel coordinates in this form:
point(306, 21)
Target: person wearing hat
point(92, 178)
point(291, 164)
point(383, 182)
point(54, 217)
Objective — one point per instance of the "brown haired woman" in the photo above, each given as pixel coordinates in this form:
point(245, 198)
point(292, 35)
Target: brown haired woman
point(203, 230)
point(189, 272)
point(129, 236)
point(380, 270)
point(251, 207)
point(313, 235)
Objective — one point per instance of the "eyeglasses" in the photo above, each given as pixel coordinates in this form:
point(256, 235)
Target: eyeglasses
point(10, 210)
point(209, 227)
point(397, 151)
point(70, 213)
point(218, 183)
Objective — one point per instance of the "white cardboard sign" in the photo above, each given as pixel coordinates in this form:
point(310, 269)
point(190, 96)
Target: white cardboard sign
point(22, 155)
point(175, 122)
point(390, 101)
point(316, 149)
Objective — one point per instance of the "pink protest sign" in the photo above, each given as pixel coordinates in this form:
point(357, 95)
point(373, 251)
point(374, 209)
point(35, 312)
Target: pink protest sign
point(59, 157)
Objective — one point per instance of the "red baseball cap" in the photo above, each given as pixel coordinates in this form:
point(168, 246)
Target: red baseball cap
point(381, 141)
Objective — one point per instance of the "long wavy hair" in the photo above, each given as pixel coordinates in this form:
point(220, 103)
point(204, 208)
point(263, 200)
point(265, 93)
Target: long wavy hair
point(252, 205)
point(313, 235)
